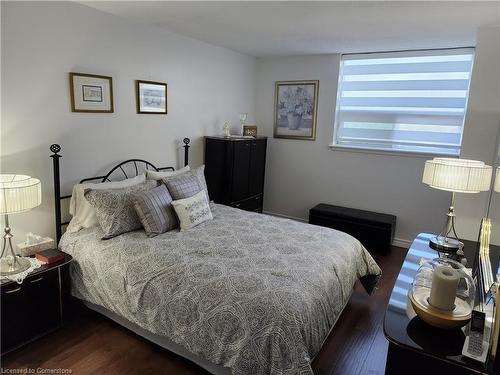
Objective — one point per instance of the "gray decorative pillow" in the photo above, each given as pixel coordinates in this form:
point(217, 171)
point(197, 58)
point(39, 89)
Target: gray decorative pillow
point(115, 208)
point(182, 186)
point(155, 211)
point(199, 172)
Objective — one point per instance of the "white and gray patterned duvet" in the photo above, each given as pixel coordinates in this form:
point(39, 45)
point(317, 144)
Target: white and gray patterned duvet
point(251, 292)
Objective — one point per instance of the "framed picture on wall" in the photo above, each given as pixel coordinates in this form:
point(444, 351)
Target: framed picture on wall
point(296, 104)
point(151, 97)
point(91, 93)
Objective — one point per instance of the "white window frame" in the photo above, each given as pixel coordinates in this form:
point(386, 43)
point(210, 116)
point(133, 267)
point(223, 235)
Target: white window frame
point(401, 152)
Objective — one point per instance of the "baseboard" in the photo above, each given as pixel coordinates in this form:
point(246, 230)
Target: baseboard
point(398, 242)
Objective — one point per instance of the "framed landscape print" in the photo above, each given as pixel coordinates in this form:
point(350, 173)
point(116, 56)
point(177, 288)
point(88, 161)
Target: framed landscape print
point(151, 97)
point(295, 109)
point(91, 93)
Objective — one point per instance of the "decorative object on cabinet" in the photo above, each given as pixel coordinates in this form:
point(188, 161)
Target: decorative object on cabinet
point(151, 97)
point(91, 93)
point(456, 176)
point(250, 130)
point(374, 230)
point(243, 121)
point(226, 130)
point(234, 170)
point(442, 293)
point(37, 306)
point(295, 111)
point(18, 193)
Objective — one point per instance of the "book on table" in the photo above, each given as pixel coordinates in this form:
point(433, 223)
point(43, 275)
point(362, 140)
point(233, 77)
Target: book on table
point(49, 256)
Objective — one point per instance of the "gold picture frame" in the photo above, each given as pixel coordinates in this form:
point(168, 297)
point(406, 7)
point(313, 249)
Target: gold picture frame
point(91, 93)
point(295, 109)
point(250, 130)
point(151, 97)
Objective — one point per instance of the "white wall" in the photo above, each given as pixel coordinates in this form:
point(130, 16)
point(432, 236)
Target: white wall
point(481, 132)
point(301, 174)
point(43, 42)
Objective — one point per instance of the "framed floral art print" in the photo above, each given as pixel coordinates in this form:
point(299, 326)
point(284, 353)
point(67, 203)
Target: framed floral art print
point(296, 104)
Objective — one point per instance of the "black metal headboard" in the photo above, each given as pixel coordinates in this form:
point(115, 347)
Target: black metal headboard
point(55, 149)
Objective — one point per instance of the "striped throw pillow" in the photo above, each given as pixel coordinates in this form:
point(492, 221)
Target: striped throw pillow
point(155, 211)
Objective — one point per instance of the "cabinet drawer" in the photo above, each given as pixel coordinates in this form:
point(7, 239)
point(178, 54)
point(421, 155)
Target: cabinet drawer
point(250, 204)
point(30, 309)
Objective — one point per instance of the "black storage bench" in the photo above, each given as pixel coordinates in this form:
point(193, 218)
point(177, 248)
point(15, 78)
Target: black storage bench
point(374, 230)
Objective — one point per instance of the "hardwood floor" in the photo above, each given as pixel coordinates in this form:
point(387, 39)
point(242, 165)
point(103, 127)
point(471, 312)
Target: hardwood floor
point(93, 344)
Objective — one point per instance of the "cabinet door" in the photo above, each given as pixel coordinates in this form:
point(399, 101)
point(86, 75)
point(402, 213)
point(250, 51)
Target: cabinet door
point(15, 309)
point(257, 167)
point(216, 169)
point(44, 297)
point(241, 163)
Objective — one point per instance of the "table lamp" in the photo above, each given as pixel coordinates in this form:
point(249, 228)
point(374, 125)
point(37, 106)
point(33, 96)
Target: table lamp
point(18, 193)
point(457, 176)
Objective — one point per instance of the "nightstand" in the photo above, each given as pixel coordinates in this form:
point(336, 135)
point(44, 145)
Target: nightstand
point(35, 307)
point(414, 346)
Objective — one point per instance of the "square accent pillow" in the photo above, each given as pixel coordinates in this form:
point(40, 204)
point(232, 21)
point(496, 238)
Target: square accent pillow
point(199, 172)
point(155, 211)
point(115, 210)
point(182, 186)
point(192, 211)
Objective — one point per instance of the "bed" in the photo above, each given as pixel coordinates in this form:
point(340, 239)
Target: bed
point(242, 293)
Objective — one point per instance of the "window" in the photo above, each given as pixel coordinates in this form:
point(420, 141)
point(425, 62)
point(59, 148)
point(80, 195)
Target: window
point(403, 101)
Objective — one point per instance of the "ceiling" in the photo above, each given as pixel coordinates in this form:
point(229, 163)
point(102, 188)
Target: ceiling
point(277, 28)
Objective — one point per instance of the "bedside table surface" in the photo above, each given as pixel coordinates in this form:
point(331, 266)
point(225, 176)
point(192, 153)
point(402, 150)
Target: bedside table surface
point(45, 267)
point(406, 330)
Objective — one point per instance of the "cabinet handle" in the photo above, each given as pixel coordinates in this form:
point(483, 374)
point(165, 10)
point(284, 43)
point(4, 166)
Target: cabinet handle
point(13, 290)
point(36, 280)
point(254, 144)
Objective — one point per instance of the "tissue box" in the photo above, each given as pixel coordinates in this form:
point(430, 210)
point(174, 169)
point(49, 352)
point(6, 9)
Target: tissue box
point(26, 250)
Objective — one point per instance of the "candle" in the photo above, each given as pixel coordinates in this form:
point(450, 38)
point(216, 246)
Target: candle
point(444, 288)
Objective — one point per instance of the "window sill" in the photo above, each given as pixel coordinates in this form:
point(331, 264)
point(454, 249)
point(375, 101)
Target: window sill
point(411, 154)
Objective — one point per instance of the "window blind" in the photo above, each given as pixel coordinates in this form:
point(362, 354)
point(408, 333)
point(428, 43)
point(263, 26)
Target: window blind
point(411, 101)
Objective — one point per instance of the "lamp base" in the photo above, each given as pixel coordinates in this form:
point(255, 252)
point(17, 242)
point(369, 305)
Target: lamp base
point(445, 244)
point(11, 266)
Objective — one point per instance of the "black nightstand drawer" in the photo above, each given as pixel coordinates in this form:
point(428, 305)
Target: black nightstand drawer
point(34, 307)
point(30, 309)
point(250, 204)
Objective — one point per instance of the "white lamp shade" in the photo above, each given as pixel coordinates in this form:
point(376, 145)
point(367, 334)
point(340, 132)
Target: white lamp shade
point(497, 180)
point(19, 193)
point(457, 175)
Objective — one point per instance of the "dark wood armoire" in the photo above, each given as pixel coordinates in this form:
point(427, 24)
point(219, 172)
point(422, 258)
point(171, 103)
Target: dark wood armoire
point(235, 169)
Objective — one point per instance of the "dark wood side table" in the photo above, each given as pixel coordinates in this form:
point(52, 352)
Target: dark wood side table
point(35, 307)
point(414, 346)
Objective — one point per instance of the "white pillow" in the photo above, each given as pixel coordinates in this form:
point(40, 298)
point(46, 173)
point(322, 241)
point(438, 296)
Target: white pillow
point(192, 211)
point(83, 213)
point(153, 175)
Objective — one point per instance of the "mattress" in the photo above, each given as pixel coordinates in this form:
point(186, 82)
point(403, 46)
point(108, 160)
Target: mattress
point(248, 292)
